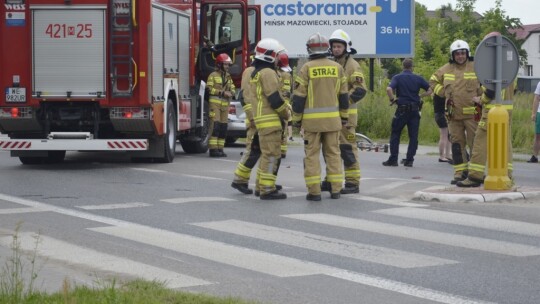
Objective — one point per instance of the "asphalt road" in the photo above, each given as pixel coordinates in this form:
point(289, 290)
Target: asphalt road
point(100, 216)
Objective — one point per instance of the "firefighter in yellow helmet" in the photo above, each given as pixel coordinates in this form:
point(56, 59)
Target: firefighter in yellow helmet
point(456, 82)
point(477, 164)
point(340, 47)
point(269, 110)
point(221, 89)
point(285, 81)
point(320, 105)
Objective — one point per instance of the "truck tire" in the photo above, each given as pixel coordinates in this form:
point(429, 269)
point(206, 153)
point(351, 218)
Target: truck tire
point(169, 138)
point(55, 157)
point(31, 160)
point(200, 143)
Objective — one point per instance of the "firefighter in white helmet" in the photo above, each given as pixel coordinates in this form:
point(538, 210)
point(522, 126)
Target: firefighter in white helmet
point(221, 88)
point(340, 47)
point(456, 82)
point(477, 163)
point(320, 105)
point(269, 110)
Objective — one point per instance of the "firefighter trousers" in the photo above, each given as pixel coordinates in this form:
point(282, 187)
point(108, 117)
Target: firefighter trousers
point(461, 135)
point(477, 164)
point(349, 154)
point(329, 141)
point(249, 158)
point(219, 115)
point(269, 162)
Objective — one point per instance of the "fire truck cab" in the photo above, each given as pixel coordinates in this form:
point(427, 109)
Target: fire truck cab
point(114, 75)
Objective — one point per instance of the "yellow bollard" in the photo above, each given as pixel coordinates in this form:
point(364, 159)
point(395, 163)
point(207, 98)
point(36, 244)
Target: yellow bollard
point(497, 144)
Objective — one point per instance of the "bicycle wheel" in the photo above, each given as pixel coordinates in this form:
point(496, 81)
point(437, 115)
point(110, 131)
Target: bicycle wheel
point(362, 141)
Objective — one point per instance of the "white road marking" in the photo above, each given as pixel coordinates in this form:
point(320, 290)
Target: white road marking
point(20, 210)
point(382, 283)
point(385, 188)
point(456, 240)
point(114, 206)
point(203, 177)
point(241, 257)
point(365, 252)
point(150, 170)
point(183, 200)
point(62, 251)
point(387, 201)
point(463, 219)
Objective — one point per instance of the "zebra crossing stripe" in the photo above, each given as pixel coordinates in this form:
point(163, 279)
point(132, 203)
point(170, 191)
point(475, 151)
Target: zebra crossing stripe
point(365, 252)
point(449, 239)
point(463, 219)
point(183, 200)
point(62, 251)
point(114, 206)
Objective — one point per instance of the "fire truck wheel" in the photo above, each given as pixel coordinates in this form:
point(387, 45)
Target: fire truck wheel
point(169, 138)
point(31, 160)
point(55, 157)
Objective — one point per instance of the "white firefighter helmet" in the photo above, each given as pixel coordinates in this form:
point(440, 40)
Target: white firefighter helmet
point(317, 44)
point(459, 45)
point(341, 36)
point(267, 50)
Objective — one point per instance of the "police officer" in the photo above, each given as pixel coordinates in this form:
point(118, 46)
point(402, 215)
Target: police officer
point(320, 104)
point(456, 82)
point(477, 164)
point(221, 89)
point(284, 73)
point(407, 86)
point(269, 109)
point(340, 47)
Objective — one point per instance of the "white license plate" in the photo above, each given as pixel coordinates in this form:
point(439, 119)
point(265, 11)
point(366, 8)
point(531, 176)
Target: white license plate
point(15, 94)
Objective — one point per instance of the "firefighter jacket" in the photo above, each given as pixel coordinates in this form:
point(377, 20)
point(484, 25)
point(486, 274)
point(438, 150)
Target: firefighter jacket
point(285, 81)
point(219, 82)
point(458, 84)
point(268, 106)
point(321, 98)
point(357, 89)
point(248, 94)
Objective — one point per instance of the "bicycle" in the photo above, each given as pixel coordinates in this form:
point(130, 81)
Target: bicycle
point(365, 143)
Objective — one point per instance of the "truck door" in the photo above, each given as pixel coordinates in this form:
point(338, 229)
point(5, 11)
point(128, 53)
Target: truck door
point(226, 28)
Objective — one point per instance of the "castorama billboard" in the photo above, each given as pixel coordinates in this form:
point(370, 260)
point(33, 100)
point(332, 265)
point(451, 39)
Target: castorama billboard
point(378, 28)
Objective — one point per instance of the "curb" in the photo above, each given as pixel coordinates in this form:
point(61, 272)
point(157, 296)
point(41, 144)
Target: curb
point(454, 194)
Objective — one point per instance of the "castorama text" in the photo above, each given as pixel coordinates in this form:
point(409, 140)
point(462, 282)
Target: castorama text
point(377, 27)
point(318, 9)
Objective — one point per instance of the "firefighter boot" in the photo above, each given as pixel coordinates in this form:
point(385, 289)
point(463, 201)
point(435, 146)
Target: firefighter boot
point(214, 153)
point(258, 193)
point(326, 186)
point(242, 188)
point(221, 153)
point(313, 197)
point(468, 183)
point(335, 195)
point(350, 188)
point(274, 195)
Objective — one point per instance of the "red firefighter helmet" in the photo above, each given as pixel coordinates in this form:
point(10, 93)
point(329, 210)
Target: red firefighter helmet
point(283, 62)
point(221, 59)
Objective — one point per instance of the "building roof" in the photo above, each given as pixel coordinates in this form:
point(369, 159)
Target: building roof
point(525, 30)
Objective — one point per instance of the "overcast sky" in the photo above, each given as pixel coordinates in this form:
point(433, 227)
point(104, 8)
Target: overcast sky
point(526, 10)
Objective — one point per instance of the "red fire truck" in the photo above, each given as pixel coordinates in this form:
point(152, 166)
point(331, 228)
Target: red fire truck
point(114, 75)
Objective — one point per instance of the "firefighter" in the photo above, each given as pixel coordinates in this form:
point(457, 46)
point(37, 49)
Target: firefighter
point(285, 81)
point(269, 109)
point(320, 105)
point(456, 82)
point(252, 153)
point(477, 164)
point(221, 89)
point(340, 47)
